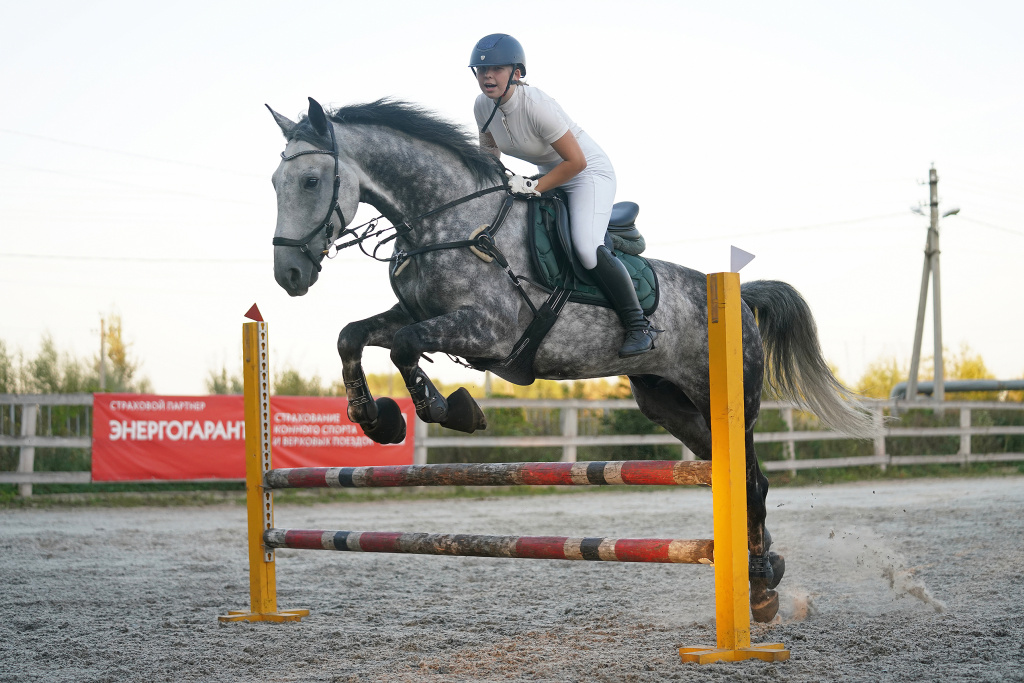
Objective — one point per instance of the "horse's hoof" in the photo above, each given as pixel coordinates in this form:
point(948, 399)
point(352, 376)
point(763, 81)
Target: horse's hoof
point(464, 415)
point(778, 563)
point(389, 427)
point(766, 609)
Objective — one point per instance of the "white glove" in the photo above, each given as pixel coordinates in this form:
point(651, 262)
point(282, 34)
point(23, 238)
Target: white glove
point(519, 185)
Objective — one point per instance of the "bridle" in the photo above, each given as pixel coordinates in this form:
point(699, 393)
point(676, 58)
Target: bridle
point(484, 241)
point(327, 225)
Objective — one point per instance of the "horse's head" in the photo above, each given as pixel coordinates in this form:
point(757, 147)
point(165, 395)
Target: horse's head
point(317, 196)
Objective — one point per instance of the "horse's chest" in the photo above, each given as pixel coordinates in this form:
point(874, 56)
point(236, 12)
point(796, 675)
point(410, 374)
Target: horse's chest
point(429, 290)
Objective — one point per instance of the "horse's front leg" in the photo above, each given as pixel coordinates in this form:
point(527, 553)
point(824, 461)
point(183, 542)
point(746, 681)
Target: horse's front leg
point(467, 332)
point(381, 420)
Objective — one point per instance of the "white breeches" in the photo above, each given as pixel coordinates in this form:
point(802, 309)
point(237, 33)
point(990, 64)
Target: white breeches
point(591, 195)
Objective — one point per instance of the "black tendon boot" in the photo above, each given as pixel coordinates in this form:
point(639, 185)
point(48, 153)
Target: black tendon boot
point(614, 280)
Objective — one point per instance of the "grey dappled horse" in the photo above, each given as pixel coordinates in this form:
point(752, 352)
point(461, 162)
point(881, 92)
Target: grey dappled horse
point(414, 168)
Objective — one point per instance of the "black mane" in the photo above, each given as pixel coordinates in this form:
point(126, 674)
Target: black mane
point(414, 121)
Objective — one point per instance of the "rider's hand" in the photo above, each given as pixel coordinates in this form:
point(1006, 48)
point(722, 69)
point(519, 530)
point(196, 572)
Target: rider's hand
point(518, 185)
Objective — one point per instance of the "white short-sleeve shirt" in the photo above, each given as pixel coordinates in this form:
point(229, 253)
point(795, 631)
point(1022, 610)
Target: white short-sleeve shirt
point(526, 125)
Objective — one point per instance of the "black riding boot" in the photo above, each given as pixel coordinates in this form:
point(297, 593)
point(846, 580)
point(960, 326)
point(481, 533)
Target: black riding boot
point(613, 279)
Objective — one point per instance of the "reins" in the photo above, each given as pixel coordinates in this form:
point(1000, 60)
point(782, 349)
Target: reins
point(400, 229)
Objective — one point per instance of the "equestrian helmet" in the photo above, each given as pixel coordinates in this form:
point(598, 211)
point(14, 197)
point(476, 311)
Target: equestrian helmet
point(498, 49)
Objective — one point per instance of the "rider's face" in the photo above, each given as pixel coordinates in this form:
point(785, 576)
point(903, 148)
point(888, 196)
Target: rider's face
point(493, 79)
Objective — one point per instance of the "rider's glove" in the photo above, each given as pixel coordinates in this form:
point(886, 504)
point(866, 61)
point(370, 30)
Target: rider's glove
point(518, 185)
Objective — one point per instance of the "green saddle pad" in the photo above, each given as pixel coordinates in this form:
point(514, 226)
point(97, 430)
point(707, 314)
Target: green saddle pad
point(553, 269)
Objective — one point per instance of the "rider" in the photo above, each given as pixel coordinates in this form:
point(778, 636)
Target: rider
point(534, 128)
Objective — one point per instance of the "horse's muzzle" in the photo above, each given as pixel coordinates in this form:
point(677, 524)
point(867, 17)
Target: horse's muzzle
point(295, 277)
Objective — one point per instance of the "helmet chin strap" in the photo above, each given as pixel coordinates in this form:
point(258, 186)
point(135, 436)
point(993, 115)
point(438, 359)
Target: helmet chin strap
point(497, 102)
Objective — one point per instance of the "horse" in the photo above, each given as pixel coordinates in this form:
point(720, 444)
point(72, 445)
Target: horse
point(437, 188)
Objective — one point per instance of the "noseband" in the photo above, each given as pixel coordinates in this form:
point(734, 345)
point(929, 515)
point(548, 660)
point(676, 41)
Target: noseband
point(327, 225)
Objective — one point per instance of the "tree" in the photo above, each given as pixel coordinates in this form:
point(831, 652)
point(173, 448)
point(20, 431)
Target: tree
point(52, 372)
point(8, 378)
point(291, 383)
point(121, 370)
point(221, 383)
point(880, 377)
point(966, 364)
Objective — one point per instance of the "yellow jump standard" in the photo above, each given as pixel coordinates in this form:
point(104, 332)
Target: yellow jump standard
point(729, 483)
point(259, 500)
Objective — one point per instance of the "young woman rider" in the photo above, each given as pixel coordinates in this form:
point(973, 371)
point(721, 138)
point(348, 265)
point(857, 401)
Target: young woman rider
point(527, 124)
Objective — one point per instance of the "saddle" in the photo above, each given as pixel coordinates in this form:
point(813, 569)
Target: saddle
point(559, 272)
point(556, 265)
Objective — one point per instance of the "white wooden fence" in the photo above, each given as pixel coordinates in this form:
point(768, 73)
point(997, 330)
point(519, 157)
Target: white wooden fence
point(29, 413)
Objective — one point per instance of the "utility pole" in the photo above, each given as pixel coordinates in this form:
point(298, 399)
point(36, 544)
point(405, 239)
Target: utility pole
point(103, 355)
point(931, 271)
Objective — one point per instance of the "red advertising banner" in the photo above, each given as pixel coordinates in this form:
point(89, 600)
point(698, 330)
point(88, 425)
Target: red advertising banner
point(142, 437)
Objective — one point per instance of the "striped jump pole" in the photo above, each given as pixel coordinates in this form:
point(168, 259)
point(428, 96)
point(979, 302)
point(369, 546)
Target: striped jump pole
point(629, 472)
point(675, 551)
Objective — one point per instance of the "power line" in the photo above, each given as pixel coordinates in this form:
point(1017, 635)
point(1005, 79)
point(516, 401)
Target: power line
point(132, 186)
point(989, 225)
point(128, 154)
point(759, 233)
point(134, 259)
point(985, 191)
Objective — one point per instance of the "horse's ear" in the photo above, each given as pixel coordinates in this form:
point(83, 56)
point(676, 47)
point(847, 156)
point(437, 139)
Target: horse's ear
point(285, 124)
point(317, 117)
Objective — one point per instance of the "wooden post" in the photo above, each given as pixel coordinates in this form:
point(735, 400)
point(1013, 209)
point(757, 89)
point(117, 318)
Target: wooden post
point(570, 429)
point(878, 419)
point(259, 500)
point(965, 436)
point(27, 454)
point(729, 482)
point(787, 415)
point(419, 450)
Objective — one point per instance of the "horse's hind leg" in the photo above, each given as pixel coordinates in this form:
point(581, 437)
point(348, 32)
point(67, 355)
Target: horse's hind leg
point(667, 405)
point(766, 568)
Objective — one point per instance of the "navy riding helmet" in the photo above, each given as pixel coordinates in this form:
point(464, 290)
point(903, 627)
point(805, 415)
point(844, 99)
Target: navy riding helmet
point(498, 49)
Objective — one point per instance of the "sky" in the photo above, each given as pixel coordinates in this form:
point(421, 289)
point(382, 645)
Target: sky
point(136, 155)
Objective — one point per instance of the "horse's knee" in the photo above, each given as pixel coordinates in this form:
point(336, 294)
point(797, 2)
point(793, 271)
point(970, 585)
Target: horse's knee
point(351, 341)
point(405, 348)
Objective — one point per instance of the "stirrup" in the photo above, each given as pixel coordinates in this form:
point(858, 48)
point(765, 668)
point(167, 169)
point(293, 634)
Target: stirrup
point(639, 341)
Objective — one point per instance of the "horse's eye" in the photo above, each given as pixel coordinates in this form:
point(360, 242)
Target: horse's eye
point(311, 183)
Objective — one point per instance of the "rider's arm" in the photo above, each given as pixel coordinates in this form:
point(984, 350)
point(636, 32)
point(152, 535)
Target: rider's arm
point(488, 144)
point(573, 162)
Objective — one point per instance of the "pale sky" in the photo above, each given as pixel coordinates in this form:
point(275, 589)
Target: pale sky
point(136, 155)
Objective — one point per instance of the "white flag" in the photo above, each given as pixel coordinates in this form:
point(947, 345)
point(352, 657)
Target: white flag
point(738, 258)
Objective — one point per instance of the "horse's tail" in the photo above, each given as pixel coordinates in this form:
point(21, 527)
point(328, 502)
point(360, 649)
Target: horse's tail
point(795, 369)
